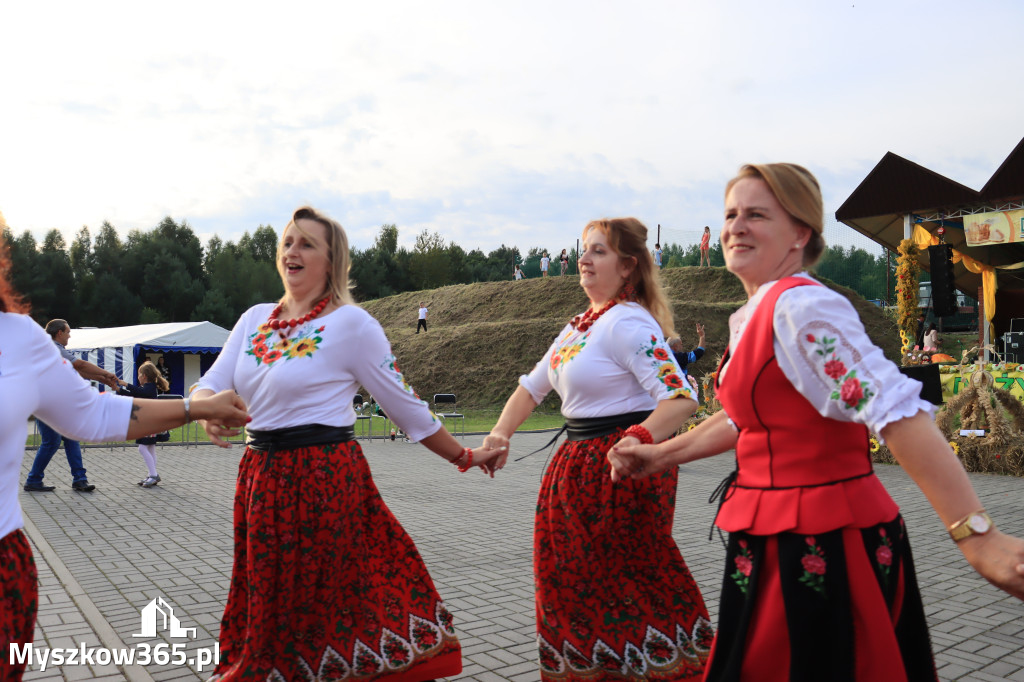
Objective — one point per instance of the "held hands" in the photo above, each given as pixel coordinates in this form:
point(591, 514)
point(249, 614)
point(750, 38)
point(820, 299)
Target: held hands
point(630, 459)
point(499, 442)
point(999, 558)
point(490, 459)
point(222, 415)
point(110, 379)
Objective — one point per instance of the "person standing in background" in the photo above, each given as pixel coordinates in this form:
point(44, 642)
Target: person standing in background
point(544, 263)
point(705, 247)
point(564, 261)
point(517, 274)
point(657, 255)
point(151, 382)
point(684, 358)
point(422, 321)
point(60, 332)
point(165, 372)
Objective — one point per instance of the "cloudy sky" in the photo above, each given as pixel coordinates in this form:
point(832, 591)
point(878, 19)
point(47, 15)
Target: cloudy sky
point(488, 122)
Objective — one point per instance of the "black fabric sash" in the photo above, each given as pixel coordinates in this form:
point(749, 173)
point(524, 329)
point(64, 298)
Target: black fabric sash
point(298, 437)
point(595, 427)
point(592, 427)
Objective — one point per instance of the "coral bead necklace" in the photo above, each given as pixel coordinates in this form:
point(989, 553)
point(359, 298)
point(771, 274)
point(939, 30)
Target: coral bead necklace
point(582, 323)
point(283, 326)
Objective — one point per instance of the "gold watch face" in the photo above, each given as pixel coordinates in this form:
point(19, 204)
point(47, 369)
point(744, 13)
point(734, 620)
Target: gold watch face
point(979, 524)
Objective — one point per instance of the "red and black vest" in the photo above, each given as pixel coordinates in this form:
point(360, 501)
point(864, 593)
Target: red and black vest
point(797, 470)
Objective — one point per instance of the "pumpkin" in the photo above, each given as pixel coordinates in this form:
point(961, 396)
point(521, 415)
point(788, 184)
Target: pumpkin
point(943, 357)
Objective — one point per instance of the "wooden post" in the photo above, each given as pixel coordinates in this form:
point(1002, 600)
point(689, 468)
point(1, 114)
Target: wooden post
point(981, 324)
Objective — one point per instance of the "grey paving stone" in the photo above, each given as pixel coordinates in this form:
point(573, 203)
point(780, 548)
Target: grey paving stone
point(124, 546)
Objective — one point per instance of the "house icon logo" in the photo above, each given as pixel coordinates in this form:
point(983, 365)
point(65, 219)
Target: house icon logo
point(158, 613)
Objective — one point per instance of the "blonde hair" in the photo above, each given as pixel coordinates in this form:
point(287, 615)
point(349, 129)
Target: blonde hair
point(335, 250)
point(149, 370)
point(628, 238)
point(798, 192)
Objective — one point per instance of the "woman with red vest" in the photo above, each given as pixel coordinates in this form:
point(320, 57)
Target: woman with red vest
point(819, 580)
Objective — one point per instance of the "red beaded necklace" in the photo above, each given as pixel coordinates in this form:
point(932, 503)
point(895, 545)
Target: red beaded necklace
point(282, 326)
point(582, 323)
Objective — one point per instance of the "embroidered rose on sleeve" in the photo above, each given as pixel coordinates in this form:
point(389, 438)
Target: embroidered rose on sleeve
point(835, 369)
point(851, 391)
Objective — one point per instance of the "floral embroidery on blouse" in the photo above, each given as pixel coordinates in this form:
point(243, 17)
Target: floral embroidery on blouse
point(813, 562)
point(668, 371)
point(266, 350)
point(564, 354)
point(391, 364)
point(851, 391)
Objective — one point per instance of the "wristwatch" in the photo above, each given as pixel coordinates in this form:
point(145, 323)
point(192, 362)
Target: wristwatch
point(976, 523)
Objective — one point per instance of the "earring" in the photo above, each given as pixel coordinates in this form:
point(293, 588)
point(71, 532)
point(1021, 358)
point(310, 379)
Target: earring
point(627, 293)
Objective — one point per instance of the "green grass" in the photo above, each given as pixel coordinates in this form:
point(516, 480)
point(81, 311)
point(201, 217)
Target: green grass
point(476, 421)
point(484, 420)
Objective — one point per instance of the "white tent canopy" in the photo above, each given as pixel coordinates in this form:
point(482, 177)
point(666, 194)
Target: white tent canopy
point(116, 348)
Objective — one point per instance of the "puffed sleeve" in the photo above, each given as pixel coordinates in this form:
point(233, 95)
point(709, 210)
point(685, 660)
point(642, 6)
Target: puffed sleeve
point(378, 371)
point(832, 362)
point(538, 381)
point(70, 405)
point(221, 375)
point(637, 344)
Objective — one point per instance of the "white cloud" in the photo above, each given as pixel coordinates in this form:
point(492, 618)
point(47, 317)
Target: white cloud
point(490, 123)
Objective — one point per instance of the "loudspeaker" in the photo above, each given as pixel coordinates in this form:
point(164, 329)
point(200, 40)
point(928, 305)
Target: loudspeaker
point(943, 283)
point(931, 384)
point(1013, 346)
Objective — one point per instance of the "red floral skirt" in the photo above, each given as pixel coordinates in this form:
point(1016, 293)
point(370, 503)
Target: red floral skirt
point(326, 582)
point(841, 605)
point(19, 597)
point(615, 600)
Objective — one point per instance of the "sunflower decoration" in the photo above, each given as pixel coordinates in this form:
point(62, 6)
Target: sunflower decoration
point(956, 446)
point(875, 445)
point(908, 271)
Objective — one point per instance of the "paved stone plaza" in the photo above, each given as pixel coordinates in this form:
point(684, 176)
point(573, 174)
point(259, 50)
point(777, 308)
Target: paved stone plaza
point(102, 557)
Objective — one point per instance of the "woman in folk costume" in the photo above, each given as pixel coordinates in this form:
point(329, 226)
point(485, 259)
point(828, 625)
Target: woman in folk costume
point(614, 598)
point(326, 582)
point(819, 579)
point(36, 380)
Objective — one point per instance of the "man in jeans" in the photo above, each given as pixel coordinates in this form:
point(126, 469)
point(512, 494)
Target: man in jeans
point(60, 332)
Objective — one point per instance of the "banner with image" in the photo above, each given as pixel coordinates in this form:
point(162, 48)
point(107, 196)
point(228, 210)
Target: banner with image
point(998, 227)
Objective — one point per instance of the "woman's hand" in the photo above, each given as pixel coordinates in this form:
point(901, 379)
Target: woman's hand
point(630, 459)
point(221, 415)
point(500, 444)
point(490, 459)
point(999, 558)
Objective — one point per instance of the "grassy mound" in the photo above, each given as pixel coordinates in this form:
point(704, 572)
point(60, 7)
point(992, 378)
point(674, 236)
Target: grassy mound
point(483, 336)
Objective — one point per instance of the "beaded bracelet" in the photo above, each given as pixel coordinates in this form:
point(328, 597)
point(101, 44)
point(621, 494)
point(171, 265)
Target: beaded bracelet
point(640, 433)
point(467, 454)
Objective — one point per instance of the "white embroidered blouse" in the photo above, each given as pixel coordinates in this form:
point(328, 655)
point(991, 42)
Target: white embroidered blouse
point(35, 379)
point(312, 376)
point(822, 347)
point(620, 365)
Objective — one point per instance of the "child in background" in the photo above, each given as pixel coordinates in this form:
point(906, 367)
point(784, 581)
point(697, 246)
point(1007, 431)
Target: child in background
point(150, 382)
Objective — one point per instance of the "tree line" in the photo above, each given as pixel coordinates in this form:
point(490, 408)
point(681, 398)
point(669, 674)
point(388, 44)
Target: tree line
point(167, 275)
